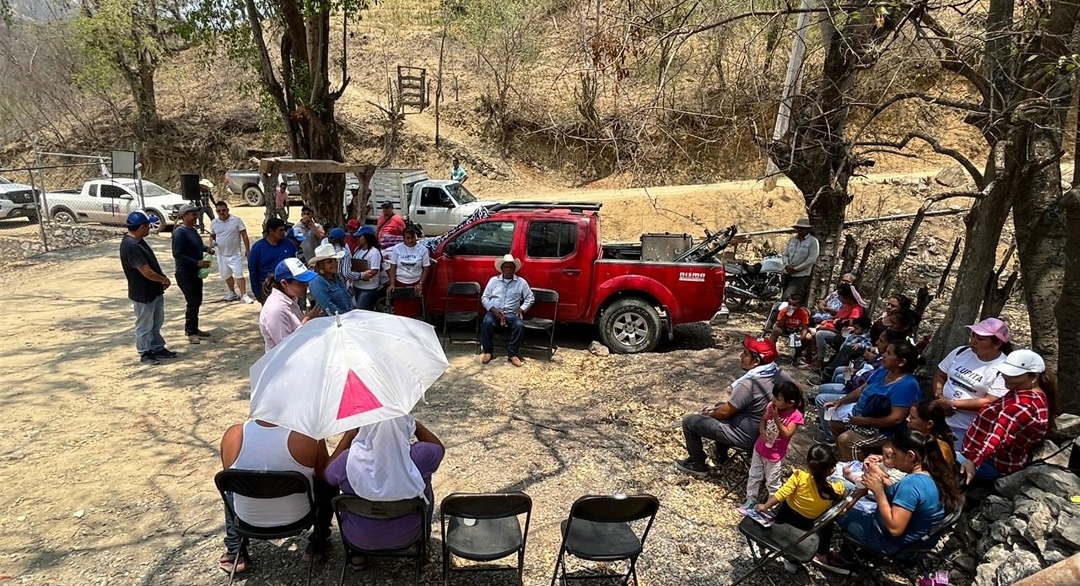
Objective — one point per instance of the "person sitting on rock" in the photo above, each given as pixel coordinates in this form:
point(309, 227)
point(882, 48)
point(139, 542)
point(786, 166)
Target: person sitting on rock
point(1003, 436)
point(735, 422)
point(506, 298)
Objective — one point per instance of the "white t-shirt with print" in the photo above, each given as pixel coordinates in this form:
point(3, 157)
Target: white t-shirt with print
point(227, 235)
point(410, 262)
point(970, 378)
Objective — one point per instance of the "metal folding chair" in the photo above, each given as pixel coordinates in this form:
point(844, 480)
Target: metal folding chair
point(347, 504)
point(732, 473)
point(484, 528)
point(785, 541)
point(258, 484)
point(599, 529)
point(462, 307)
point(543, 324)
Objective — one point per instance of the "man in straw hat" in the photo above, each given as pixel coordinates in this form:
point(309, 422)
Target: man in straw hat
point(799, 256)
point(506, 298)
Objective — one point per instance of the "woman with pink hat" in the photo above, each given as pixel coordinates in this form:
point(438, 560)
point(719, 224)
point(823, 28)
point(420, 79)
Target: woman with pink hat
point(968, 379)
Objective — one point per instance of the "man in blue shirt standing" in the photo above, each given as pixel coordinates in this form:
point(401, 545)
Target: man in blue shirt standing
point(187, 251)
point(506, 298)
point(458, 173)
point(266, 253)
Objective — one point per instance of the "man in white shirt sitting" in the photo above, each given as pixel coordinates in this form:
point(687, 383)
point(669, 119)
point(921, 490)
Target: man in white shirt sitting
point(506, 298)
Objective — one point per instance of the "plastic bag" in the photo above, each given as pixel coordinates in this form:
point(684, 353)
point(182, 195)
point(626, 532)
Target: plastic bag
point(205, 271)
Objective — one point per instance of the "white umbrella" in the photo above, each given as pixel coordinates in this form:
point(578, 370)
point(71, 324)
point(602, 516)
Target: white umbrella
point(338, 373)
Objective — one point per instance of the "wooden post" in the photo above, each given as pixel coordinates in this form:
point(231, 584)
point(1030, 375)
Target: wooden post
point(892, 265)
point(848, 254)
point(438, 76)
point(948, 267)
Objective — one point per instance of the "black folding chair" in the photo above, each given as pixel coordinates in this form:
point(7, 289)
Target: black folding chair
point(791, 543)
point(599, 530)
point(543, 324)
point(462, 307)
point(347, 504)
point(407, 293)
point(259, 484)
point(910, 561)
point(733, 471)
point(484, 528)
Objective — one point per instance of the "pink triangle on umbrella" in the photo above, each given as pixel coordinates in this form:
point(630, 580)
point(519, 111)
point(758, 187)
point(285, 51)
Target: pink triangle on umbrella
point(356, 398)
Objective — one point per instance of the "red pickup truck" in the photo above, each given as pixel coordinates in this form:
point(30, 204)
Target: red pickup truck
point(632, 301)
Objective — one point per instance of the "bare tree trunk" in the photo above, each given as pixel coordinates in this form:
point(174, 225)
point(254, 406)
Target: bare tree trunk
point(981, 235)
point(1068, 305)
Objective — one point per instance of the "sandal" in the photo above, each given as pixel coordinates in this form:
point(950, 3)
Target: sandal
point(320, 553)
point(227, 561)
point(358, 563)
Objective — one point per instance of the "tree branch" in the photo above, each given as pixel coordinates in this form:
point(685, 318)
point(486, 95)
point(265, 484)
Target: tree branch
point(956, 155)
point(937, 197)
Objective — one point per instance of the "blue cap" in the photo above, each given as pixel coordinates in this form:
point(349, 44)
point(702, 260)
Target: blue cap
point(365, 229)
point(138, 218)
point(336, 234)
point(291, 269)
point(387, 204)
point(298, 233)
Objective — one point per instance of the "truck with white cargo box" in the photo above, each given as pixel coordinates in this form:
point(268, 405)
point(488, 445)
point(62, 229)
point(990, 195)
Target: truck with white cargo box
point(437, 205)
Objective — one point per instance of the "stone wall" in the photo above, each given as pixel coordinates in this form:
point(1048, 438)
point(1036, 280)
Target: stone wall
point(1025, 524)
point(59, 237)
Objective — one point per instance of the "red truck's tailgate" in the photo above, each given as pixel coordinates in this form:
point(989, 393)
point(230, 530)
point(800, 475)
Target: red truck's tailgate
point(691, 291)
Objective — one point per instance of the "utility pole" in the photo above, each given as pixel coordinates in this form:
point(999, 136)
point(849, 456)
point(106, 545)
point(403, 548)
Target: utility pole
point(792, 86)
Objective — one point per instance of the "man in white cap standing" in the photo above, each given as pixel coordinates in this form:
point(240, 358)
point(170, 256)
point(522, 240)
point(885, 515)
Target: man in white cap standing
point(799, 256)
point(506, 298)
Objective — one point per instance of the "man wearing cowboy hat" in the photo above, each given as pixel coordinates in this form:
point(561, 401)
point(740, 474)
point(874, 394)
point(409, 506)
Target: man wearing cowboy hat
point(506, 298)
point(799, 257)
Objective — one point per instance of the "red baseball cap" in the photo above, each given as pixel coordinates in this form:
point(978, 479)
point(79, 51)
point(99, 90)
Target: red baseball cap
point(353, 225)
point(763, 347)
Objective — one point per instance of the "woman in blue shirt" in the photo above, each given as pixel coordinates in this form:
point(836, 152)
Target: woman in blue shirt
point(907, 510)
point(881, 405)
point(330, 289)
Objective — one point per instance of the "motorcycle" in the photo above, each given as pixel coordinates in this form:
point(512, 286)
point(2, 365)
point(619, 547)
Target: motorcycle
point(760, 281)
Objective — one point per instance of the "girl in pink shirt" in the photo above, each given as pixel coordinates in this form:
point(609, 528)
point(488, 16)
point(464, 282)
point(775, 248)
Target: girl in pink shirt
point(782, 416)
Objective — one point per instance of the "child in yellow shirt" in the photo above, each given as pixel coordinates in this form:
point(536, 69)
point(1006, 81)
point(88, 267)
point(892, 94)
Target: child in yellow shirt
point(806, 495)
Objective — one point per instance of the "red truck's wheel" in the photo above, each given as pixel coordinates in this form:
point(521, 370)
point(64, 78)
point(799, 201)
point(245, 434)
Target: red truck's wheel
point(629, 326)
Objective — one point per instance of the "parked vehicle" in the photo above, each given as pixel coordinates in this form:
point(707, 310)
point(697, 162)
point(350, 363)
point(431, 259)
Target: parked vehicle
point(632, 302)
point(17, 201)
point(436, 205)
point(247, 184)
point(760, 281)
point(109, 201)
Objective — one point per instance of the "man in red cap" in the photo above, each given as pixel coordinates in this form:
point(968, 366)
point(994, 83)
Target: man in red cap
point(735, 422)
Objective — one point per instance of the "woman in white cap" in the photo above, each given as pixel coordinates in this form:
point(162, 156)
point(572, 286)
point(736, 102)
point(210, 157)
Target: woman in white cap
point(330, 289)
point(1004, 433)
point(968, 379)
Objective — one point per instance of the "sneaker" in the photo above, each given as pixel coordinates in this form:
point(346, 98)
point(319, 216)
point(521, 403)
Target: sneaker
point(230, 296)
point(247, 298)
point(790, 567)
point(164, 353)
point(193, 339)
point(699, 469)
point(749, 503)
point(833, 563)
point(148, 359)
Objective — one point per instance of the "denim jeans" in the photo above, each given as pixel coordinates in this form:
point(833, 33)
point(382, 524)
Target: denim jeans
point(819, 401)
point(487, 333)
point(148, 320)
point(365, 298)
point(192, 287)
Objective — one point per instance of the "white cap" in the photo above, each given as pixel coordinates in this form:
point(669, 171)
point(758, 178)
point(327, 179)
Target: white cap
point(1020, 362)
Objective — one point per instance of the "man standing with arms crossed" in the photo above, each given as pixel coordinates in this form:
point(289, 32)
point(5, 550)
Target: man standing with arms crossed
point(188, 250)
point(226, 233)
point(799, 256)
point(146, 289)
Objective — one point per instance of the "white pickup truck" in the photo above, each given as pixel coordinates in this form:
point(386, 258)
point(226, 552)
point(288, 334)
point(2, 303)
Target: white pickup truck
point(109, 201)
point(436, 205)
